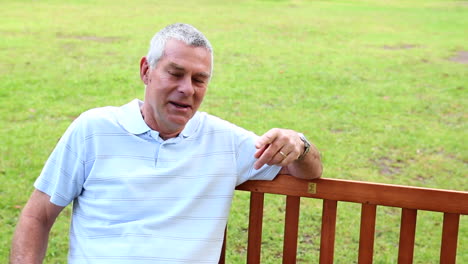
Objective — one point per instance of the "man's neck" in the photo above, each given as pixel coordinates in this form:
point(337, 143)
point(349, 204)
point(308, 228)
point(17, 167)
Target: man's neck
point(153, 125)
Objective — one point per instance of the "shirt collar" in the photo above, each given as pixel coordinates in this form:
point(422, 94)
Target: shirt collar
point(131, 119)
point(191, 126)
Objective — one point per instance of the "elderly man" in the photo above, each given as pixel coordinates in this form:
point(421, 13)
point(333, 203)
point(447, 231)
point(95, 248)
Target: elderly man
point(152, 181)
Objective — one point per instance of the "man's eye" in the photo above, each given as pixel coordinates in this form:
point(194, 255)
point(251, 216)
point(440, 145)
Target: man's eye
point(176, 74)
point(198, 81)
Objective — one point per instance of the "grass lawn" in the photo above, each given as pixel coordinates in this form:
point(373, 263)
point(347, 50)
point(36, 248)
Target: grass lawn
point(378, 86)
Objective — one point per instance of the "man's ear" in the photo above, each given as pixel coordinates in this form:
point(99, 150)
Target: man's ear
point(144, 70)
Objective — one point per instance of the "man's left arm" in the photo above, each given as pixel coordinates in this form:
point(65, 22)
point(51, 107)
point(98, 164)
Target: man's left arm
point(286, 148)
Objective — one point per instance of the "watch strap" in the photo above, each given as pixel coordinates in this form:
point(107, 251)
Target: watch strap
point(306, 146)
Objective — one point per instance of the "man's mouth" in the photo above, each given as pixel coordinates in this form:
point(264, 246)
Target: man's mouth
point(179, 105)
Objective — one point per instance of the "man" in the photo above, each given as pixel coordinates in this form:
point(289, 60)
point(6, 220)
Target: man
point(152, 181)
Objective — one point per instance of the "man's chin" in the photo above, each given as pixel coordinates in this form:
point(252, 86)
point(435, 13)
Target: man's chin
point(180, 121)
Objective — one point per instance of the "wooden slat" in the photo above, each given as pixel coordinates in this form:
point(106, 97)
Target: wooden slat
point(367, 231)
point(291, 227)
point(448, 252)
point(407, 235)
point(327, 239)
point(365, 192)
point(222, 258)
point(255, 228)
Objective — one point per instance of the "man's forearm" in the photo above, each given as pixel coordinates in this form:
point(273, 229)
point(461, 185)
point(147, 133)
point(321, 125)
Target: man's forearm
point(32, 232)
point(29, 242)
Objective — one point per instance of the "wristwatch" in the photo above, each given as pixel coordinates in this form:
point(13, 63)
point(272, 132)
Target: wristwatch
point(306, 146)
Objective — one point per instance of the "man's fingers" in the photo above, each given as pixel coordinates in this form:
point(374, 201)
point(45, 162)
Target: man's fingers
point(267, 155)
point(277, 147)
point(287, 159)
point(260, 151)
point(264, 156)
point(266, 138)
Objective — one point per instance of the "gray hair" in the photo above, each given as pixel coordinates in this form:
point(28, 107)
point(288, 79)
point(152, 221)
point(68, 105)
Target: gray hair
point(183, 32)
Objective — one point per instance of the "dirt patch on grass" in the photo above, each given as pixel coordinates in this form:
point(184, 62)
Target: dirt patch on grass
point(100, 39)
point(460, 57)
point(461, 3)
point(400, 47)
point(424, 179)
point(388, 166)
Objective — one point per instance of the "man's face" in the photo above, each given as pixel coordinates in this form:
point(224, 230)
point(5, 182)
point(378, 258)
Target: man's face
point(175, 87)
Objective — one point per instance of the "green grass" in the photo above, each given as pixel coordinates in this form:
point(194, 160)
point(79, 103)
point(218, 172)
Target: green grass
point(372, 83)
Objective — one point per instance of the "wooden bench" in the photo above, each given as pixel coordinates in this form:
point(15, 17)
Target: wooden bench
point(370, 195)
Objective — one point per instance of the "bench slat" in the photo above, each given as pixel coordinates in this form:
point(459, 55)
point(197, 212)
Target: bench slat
point(222, 257)
point(327, 238)
point(367, 231)
point(407, 234)
point(365, 192)
point(255, 228)
point(291, 227)
point(448, 252)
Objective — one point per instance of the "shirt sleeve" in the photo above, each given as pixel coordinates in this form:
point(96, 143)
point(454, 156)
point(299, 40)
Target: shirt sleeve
point(245, 159)
point(63, 174)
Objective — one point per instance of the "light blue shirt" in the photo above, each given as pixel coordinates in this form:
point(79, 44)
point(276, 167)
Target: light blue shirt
point(139, 199)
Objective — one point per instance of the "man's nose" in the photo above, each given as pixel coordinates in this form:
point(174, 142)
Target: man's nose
point(186, 86)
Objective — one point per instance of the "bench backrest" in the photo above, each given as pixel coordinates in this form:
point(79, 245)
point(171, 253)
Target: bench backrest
point(370, 195)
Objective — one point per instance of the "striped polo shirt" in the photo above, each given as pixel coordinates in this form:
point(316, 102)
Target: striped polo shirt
point(140, 199)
